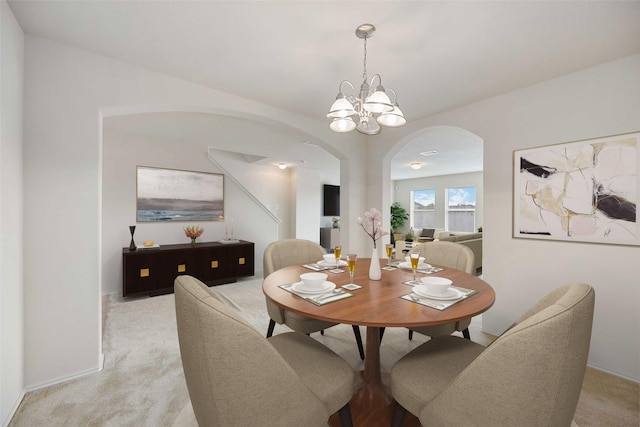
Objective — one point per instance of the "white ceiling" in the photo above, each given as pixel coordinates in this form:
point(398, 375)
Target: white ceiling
point(436, 55)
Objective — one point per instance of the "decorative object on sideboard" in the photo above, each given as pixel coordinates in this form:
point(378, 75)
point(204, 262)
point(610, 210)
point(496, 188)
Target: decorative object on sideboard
point(371, 109)
point(228, 233)
point(193, 232)
point(178, 195)
point(336, 222)
point(228, 230)
point(132, 245)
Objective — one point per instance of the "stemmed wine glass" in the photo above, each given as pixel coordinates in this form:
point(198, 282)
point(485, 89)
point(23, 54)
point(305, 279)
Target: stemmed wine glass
point(336, 252)
point(415, 259)
point(389, 249)
point(351, 264)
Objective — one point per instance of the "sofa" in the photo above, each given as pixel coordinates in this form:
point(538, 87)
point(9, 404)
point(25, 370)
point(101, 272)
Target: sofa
point(472, 240)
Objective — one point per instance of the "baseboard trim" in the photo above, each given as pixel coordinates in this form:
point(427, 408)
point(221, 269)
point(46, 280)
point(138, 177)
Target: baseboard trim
point(615, 374)
point(69, 378)
point(14, 409)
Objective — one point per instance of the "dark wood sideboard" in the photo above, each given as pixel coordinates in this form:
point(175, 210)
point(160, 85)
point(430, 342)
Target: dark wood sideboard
point(153, 271)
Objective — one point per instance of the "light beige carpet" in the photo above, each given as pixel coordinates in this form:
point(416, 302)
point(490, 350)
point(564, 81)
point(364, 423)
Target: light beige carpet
point(142, 383)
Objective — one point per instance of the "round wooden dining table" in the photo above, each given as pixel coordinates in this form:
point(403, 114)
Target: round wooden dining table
point(378, 304)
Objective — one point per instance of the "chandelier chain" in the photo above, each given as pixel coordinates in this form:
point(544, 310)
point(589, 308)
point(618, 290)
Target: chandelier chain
point(364, 72)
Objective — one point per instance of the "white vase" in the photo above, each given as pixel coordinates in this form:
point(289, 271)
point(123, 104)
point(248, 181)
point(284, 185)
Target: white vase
point(375, 273)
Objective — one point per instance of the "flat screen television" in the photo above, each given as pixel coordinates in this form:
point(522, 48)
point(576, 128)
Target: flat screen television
point(331, 200)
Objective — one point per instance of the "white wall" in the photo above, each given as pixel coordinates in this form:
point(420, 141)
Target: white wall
point(403, 188)
point(600, 101)
point(306, 207)
point(11, 215)
point(66, 91)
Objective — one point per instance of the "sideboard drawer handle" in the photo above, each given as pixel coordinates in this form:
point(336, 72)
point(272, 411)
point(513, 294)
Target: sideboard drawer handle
point(182, 268)
point(144, 272)
point(241, 261)
point(214, 264)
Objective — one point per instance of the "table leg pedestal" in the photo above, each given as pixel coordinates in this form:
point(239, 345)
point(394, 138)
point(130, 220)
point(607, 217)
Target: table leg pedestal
point(372, 404)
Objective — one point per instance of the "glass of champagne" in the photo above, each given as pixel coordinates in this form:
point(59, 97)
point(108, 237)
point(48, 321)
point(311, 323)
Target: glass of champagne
point(415, 259)
point(389, 249)
point(336, 252)
point(351, 263)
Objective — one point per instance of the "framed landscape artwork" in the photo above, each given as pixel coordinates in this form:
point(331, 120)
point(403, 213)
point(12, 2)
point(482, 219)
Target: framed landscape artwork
point(584, 191)
point(177, 195)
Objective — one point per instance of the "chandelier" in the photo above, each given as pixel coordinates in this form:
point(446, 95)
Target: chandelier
point(370, 110)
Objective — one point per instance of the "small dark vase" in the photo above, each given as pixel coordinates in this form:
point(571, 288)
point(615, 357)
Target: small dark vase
point(132, 245)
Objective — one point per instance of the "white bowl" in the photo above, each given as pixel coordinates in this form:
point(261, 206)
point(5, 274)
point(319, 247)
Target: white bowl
point(329, 257)
point(313, 280)
point(420, 260)
point(436, 285)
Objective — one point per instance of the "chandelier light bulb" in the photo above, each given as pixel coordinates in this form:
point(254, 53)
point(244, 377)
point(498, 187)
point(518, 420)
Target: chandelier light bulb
point(379, 102)
point(341, 108)
point(342, 125)
point(393, 118)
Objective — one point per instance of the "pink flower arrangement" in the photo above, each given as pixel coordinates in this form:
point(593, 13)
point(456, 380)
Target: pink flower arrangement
point(372, 224)
point(193, 231)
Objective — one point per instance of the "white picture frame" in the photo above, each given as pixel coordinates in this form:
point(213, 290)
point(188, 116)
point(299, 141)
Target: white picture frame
point(581, 191)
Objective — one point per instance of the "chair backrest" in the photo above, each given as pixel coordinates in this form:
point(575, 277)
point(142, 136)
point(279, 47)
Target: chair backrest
point(427, 232)
point(284, 253)
point(234, 376)
point(532, 374)
point(447, 254)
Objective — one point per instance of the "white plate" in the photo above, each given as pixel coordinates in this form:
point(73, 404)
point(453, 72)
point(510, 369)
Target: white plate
point(300, 287)
point(450, 294)
point(422, 266)
point(324, 263)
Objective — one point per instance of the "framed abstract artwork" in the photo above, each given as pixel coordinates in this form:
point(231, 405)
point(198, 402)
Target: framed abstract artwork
point(582, 191)
point(178, 195)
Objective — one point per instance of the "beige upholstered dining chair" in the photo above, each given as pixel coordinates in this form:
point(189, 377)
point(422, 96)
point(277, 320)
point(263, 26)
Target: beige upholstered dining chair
point(236, 377)
point(284, 253)
point(452, 255)
point(530, 376)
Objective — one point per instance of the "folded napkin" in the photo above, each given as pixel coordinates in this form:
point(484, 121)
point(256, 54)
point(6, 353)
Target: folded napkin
point(316, 267)
point(430, 270)
point(427, 270)
point(439, 304)
point(321, 299)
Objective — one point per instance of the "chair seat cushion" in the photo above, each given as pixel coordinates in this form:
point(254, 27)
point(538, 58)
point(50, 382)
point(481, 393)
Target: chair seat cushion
point(446, 329)
point(325, 373)
point(305, 325)
point(438, 361)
